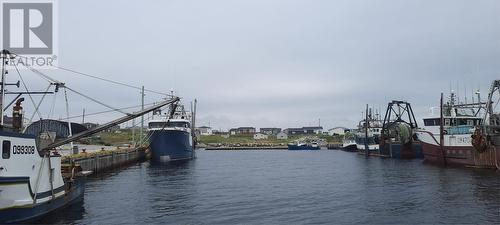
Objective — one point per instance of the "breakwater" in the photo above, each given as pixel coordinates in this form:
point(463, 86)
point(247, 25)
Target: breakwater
point(248, 148)
point(105, 160)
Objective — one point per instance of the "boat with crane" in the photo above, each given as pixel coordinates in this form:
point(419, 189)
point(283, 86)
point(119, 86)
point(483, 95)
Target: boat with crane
point(398, 139)
point(33, 182)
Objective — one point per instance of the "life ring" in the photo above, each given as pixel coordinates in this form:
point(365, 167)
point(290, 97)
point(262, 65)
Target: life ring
point(479, 140)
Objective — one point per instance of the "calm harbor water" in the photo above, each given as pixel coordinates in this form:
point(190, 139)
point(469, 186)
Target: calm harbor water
point(288, 187)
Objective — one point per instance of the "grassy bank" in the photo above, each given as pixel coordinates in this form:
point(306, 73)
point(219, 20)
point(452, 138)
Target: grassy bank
point(248, 140)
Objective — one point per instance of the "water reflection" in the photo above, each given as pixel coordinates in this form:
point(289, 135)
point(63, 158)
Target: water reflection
point(67, 215)
point(281, 187)
point(171, 190)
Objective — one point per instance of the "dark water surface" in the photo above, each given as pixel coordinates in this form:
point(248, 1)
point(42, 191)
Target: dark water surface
point(288, 187)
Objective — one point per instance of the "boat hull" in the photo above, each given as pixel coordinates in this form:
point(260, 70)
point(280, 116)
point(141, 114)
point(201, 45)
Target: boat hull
point(461, 156)
point(74, 193)
point(170, 145)
point(302, 147)
point(402, 151)
point(350, 148)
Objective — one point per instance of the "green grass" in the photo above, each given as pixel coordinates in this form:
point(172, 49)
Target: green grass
point(240, 139)
point(125, 137)
point(113, 139)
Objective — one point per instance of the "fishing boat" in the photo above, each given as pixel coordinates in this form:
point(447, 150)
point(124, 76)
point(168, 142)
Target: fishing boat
point(462, 135)
point(349, 144)
point(33, 182)
point(171, 136)
point(398, 139)
point(303, 146)
point(367, 136)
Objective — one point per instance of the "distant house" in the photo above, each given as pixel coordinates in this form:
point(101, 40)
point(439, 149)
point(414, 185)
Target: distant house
point(281, 136)
point(113, 129)
point(270, 131)
point(304, 130)
point(337, 131)
point(242, 131)
point(204, 130)
point(260, 136)
point(90, 125)
point(219, 132)
point(109, 130)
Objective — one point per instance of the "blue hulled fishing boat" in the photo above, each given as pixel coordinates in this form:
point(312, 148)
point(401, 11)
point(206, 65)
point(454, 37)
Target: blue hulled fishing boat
point(170, 136)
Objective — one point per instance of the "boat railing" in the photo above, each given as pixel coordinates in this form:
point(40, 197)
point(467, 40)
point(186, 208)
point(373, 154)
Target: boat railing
point(461, 129)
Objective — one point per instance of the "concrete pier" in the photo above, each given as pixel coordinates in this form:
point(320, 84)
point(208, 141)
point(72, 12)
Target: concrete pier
point(105, 160)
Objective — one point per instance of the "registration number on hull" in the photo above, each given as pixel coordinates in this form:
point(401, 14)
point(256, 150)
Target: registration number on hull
point(23, 149)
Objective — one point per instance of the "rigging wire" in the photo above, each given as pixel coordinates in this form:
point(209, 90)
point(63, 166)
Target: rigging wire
point(52, 108)
point(95, 100)
point(106, 111)
point(27, 90)
point(56, 82)
point(111, 81)
point(38, 106)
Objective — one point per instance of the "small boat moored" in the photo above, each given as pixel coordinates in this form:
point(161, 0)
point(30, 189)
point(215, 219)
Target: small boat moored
point(300, 145)
point(368, 133)
point(349, 144)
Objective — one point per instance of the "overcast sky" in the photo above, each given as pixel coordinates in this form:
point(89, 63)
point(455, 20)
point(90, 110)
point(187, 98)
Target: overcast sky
point(279, 63)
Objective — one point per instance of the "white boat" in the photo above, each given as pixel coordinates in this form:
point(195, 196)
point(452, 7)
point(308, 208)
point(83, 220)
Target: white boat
point(349, 144)
point(372, 135)
point(32, 180)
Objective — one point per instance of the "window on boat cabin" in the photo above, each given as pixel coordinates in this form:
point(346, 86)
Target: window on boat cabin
point(178, 124)
point(156, 124)
point(5, 149)
point(168, 124)
point(470, 122)
point(432, 122)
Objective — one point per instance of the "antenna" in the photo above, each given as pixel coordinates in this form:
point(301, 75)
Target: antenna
point(465, 93)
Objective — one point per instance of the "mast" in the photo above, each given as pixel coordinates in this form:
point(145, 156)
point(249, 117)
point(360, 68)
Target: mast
point(67, 115)
point(441, 131)
point(4, 56)
point(366, 133)
point(142, 117)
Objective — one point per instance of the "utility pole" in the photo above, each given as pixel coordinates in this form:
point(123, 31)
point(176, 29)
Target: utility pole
point(83, 116)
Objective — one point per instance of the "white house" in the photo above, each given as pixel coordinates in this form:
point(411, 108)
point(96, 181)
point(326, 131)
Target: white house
point(337, 131)
point(204, 130)
point(260, 136)
point(281, 136)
